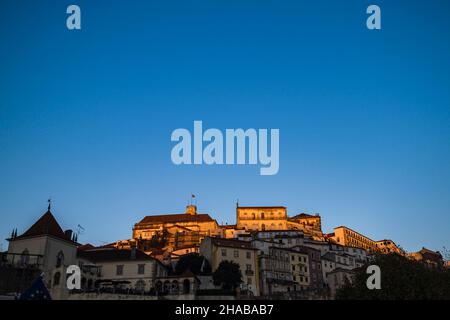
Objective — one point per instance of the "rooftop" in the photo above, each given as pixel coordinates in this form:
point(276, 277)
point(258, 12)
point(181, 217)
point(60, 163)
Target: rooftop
point(176, 218)
point(233, 243)
point(46, 225)
point(112, 254)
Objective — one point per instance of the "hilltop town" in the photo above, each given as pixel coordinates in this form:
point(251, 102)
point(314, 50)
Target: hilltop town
point(179, 256)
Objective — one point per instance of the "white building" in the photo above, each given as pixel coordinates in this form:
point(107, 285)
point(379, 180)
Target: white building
point(49, 248)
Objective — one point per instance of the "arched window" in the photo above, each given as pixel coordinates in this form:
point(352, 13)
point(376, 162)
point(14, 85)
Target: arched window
point(263, 227)
point(140, 285)
point(158, 286)
point(186, 286)
point(175, 287)
point(56, 278)
point(166, 286)
point(59, 259)
point(262, 215)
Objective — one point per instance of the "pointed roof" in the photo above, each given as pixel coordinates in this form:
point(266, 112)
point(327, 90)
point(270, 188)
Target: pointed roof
point(46, 225)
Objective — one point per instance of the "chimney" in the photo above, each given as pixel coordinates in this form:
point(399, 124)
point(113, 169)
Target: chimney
point(68, 234)
point(191, 209)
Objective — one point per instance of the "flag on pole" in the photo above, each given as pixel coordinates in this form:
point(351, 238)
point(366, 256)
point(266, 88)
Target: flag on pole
point(37, 291)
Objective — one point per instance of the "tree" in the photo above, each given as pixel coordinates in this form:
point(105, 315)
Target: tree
point(401, 279)
point(228, 275)
point(194, 262)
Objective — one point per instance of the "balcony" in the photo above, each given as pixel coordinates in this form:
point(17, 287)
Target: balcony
point(16, 260)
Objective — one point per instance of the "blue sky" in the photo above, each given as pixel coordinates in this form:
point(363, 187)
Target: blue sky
point(86, 116)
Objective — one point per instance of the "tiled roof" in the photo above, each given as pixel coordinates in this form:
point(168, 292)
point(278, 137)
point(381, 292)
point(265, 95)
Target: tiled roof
point(303, 215)
point(222, 242)
point(46, 225)
point(174, 218)
point(112, 254)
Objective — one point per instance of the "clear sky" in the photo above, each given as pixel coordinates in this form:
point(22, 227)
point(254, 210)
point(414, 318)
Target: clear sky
point(364, 116)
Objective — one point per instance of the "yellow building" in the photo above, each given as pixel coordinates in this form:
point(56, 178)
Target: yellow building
point(300, 269)
point(261, 218)
point(175, 230)
point(388, 246)
point(311, 225)
point(216, 250)
point(348, 237)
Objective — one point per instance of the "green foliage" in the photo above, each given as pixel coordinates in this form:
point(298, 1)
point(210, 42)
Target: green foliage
point(193, 262)
point(228, 275)
point(401, 279)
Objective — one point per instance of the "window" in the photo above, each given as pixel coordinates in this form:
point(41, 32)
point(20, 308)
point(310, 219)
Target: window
point(224, 252)
point(141, 268)
point(59, 259)
point(119, 270)
point(249, 280)
point(56, 278)
point(236, 253)
point(249, 255)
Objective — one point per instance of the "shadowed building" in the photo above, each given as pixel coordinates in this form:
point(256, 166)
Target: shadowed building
point(46, 247)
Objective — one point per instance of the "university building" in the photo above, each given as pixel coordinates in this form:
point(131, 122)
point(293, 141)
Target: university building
point(181, 230)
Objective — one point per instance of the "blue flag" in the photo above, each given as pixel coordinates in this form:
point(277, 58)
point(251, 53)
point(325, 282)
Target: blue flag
point(37, 291)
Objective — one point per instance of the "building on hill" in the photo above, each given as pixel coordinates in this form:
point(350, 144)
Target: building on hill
point(311, 225)
point(261, 218)
point(429, 257)
point(216, 250)
point(388, 246)
point(275, 275)
point(316, 281)
point(174, 230)
point(348, 237)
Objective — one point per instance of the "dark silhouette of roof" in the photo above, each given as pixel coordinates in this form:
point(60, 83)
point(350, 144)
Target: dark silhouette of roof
point(174, 218)
point(304, 216)
point(233, 243)
point(113, 254)
point(46, 225)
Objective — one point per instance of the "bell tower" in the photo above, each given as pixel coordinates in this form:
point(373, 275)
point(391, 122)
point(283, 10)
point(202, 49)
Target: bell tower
point(191, 210)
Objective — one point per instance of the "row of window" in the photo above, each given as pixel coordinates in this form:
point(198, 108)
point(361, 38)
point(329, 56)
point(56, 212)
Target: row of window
point(120, 267)
point(248, 254)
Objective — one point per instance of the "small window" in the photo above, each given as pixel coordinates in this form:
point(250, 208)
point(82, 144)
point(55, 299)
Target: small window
point(119, 270)
point(141, 268)
point(224, 252)
point(236, 253)
point(249, 255)
point(56, 278)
